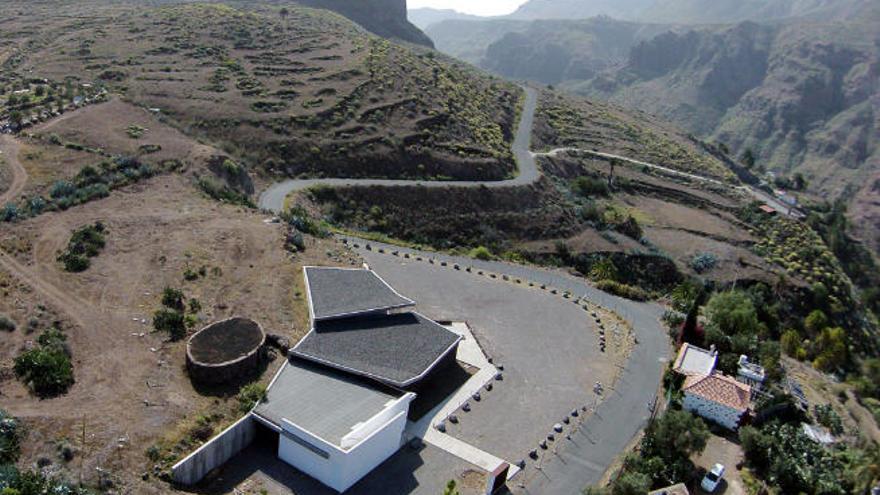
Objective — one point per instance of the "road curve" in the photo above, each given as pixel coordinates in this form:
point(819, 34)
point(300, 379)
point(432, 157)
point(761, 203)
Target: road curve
point(273, 198)
point(9, 149)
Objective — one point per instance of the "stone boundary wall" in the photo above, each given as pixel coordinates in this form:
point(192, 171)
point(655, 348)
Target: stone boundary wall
point(215, 453)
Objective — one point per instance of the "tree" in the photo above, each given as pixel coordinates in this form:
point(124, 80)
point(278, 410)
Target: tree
point(16, 117)
point(791, 342)
point(451, 488)
point(173, 299)
point(675, 435)
point(732, 313)
point(690, 331)
point(612, 163)
point(866, 469)
point(170, 321)
point(831, 349)
point(815, 322)
point(631, 483)
point(748, 158)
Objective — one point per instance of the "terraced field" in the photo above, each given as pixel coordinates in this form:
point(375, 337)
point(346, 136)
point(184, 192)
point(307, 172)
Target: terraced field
point(308, 92)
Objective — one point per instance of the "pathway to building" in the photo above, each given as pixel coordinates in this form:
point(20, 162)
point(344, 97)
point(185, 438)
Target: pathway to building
point(469, 352)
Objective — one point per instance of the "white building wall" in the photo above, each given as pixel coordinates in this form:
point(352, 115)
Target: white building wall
point(713, 411)
point(340, 469)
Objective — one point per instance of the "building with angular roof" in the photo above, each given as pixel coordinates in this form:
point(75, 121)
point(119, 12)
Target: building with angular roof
point(718, 398)
point(340, 402)
point(349, 292)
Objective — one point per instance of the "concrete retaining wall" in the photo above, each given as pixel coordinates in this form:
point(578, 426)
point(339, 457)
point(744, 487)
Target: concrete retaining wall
point(215, 453)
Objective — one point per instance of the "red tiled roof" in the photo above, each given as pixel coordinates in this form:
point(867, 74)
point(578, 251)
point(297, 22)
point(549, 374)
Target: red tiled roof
point(720, 389)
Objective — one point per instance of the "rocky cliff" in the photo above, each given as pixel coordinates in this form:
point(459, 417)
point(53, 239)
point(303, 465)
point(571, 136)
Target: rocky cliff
point(386, 18)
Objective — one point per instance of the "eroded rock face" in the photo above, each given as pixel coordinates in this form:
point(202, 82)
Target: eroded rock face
point(386, 18)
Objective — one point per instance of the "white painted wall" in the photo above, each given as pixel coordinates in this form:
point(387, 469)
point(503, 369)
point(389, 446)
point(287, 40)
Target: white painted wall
point(713, 411)
point(341, 469)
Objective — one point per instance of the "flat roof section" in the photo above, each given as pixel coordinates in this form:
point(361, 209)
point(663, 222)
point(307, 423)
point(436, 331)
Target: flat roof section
point(322, 401)
point(693, 360)
point(343, 292)
point(396, 349)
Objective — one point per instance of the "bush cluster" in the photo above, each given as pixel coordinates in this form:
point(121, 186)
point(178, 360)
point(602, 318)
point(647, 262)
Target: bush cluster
point(172, 317)
point(623, 290)
point(6, 324)
point(250, 395)
point(224, 193)
point(704, 262)
point(10, 438)
point(663, 456)
point(46, 368)
point(85, 243)
point(298, 218)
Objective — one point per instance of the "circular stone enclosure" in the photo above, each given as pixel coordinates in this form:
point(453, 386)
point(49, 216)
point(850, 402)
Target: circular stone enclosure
point(224, 351)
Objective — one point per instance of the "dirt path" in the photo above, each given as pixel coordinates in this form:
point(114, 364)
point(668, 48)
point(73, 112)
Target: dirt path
point(97, 331)
point(9, 147)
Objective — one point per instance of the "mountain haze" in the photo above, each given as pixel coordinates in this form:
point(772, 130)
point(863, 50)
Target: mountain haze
point(424, 17)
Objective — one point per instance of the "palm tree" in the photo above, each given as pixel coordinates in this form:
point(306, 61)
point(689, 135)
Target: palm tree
point(611, 164)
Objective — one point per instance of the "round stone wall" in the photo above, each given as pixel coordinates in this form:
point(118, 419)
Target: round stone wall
point(225, 351)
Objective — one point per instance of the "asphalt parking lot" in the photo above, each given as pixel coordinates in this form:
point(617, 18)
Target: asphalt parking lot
point(593, 447)
point(547, 345)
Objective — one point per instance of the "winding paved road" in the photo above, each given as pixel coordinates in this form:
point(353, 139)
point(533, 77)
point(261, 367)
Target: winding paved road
point(273, 198)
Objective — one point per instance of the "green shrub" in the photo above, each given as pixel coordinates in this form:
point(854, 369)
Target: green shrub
point(481, 253)
point(250, 395)
point(623, 290)
point(86, 242)
point(9, 212)
point(224, 193)
point(6, 324)
point(298, 218)
point(171, 322)
point(47, 368)
point(10, 439)
point(587, 186)
point(135, 131)
point(173, 299)
point(703, 262)
point(74, 263)
point(828, 417)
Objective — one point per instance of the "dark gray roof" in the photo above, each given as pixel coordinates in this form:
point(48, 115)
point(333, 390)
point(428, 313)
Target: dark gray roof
point(341, 292)
point(396, 349)
point(323, 401)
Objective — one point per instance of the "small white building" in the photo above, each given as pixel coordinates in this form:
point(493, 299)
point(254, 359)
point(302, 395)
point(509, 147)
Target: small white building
point(717, 398)
point(333, 427)
point(695, 361)
point(750, 373)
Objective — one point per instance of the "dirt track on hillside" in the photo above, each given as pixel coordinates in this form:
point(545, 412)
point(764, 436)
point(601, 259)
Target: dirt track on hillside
point(9, 146)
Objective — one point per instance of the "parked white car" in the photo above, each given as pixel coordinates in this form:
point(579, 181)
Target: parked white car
point(713, 478)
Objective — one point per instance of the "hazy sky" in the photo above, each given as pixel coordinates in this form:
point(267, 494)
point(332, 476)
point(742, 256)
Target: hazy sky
point(477, 7)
